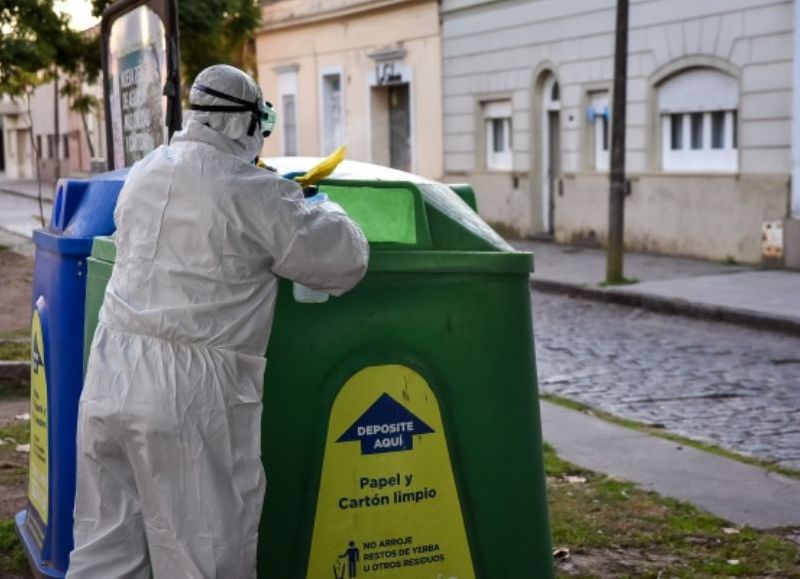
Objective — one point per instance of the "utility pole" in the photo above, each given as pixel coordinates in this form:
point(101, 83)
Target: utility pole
point(795, 196)
point(616, 201)
point(57, 136)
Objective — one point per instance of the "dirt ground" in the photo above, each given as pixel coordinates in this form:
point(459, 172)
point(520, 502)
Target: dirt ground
point(16, 279)
point(13, 498)
point(13, 465)
point(11, 408)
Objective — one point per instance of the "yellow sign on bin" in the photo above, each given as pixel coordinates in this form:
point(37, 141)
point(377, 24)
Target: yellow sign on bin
point(38, 477)
point(388, 506)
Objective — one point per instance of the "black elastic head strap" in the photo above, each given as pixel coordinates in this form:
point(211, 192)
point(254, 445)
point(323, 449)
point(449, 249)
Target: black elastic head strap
point(244, 106)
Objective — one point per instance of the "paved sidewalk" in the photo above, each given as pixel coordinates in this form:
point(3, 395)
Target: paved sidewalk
point(16, 243)
point(765, 299)
point(737, 492)
point(20, 215)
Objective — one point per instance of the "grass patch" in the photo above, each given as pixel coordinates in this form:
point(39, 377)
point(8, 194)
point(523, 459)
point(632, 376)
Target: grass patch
point(19, 430)
point(654, 431)
point(14, 390)
point(13, 473)
point(13, 464)
point(21, 334)
point(12, 555)
point(615, 529)
point(16, 476)
point(729, 260)
point(15, 346)
point(623, 281)
point(15, 350)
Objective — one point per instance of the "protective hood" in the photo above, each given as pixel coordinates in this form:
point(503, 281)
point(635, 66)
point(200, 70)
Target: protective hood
point(233, 126)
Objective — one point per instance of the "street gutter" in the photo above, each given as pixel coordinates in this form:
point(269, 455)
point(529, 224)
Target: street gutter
point(45, 198)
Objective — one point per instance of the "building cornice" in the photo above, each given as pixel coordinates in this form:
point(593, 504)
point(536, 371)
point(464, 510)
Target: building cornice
point(360, 8)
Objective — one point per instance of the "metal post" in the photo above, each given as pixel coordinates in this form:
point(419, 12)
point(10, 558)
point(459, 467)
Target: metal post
point(616, 202)
point(57, 136)
point(795, 202)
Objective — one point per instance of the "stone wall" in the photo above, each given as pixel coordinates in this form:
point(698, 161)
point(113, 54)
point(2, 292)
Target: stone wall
point(714, 217)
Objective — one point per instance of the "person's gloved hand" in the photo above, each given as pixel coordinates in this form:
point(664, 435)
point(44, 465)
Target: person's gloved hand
point(313, 194)
point(262, 165)
point(316, 197)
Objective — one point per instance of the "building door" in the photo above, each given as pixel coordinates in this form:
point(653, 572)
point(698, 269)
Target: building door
point(554, 168)
point(25, 169)
point(332, 113)
point(551, 151)
point(399, 127)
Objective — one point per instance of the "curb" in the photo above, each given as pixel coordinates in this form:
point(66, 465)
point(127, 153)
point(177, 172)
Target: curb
point(673, 306)
point(16, 234)
point(14, 374)
point(15, 192)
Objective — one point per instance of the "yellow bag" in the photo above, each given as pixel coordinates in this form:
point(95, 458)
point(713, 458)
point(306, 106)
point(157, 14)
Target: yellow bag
point(322, 169)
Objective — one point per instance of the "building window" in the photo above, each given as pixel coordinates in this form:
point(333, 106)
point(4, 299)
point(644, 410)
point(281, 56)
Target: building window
point(289, 107)
point(50, 140)
point(39, 151)
point(497, 121)
point(332, 112)
point(699, 115)
point(676, 128)
point(718, 130)
point(66, 146)
point(599, 119)
point(287, 99)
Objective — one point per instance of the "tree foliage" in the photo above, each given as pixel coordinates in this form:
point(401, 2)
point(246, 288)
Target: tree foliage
point(36, 40)
point(85, 70)
point(212, 32)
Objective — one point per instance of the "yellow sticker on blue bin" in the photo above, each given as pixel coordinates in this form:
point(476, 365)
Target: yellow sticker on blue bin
point(38, 474)
point(388, 507)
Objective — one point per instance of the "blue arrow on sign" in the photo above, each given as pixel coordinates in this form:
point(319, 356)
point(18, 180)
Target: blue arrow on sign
point(386, 426)
point(36, 357)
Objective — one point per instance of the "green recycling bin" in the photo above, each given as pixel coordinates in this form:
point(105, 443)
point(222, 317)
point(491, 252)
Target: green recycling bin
point(401, 430)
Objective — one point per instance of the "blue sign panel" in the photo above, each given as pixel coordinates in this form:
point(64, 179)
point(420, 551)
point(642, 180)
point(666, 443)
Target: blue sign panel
point(386, 426)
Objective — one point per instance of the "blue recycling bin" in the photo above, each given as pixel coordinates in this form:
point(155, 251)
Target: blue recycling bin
point(82, 209)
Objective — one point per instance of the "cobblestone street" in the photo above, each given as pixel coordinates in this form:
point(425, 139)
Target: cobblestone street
point(715, 382)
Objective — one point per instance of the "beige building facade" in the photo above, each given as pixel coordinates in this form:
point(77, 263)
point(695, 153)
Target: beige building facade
point(364, 74)
point(17, 157)
point(527, 97)
point(66, 154)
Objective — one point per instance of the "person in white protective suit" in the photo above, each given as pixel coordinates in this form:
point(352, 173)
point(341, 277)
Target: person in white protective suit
point(169, 430)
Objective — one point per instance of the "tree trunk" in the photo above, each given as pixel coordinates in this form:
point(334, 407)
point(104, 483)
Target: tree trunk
point(38, 155)
point(86, 132)
point(616, 205)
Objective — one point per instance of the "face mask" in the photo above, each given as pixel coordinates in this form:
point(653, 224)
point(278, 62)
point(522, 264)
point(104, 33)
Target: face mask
point(264, 115)
point(268, 119)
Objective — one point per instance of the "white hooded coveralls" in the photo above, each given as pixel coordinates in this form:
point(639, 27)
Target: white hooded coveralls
point(169, 451)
